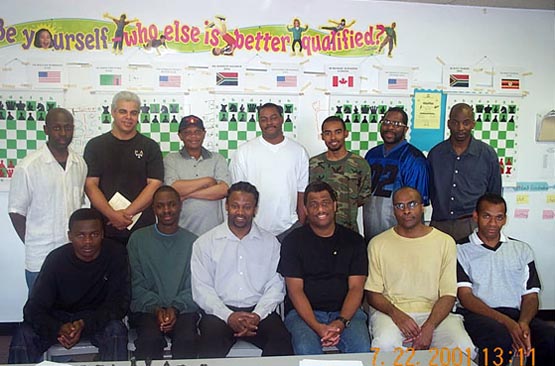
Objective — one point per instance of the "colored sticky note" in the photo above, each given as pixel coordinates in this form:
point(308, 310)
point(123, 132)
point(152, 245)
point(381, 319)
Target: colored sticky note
point(522, 199)
point(550, 198)
point(521, 213)
point(548, 214)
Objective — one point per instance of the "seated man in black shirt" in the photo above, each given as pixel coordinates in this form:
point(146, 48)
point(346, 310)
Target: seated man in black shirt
point(82, 291)
point(325, 266)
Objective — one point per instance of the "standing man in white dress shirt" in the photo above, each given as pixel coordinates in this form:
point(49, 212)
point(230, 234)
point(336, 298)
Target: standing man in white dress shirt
point(236, 284)
point(47, 186)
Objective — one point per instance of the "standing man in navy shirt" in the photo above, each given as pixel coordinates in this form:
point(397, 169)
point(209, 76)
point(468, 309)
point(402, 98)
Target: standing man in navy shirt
point(462, 169)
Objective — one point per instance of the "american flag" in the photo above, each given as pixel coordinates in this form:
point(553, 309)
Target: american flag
point(170, 81)
point(50, 76)
point(397, 83)
point(287, 81)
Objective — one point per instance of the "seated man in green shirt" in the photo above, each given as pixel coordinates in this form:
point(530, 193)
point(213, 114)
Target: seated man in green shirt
point(161, 303)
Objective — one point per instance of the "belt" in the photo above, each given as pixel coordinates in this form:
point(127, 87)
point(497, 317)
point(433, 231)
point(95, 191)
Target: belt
point(464, 217)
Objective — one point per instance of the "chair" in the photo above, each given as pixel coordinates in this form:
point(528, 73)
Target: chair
point(81, 348)
point(240, 348)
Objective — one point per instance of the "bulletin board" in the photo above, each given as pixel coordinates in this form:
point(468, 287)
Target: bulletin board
point(237, 118)
point(362, 115)
point(497, 125)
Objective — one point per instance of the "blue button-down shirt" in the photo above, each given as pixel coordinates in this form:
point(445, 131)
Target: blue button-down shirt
point(457, 181)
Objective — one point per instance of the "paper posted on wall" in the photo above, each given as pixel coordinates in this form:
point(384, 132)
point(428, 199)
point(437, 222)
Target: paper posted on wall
point(119, 202)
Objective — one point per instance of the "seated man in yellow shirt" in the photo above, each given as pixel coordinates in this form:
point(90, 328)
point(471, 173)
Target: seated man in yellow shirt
point(412, 283)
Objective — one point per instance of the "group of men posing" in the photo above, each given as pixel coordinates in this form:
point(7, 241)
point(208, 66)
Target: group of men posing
point(187, 272)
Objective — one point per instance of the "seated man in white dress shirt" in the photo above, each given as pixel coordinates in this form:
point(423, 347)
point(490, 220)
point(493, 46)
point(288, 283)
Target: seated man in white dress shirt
point(236, 284)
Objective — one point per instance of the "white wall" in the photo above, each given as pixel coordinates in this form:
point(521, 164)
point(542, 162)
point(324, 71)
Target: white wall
point(457, 35)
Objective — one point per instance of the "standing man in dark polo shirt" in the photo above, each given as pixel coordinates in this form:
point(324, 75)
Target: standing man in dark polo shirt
point(462, 170)
point(325, 267)
point(125, 163)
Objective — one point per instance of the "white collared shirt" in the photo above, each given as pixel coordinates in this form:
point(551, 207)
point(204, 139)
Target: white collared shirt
point(236, 272)
point(46, 194)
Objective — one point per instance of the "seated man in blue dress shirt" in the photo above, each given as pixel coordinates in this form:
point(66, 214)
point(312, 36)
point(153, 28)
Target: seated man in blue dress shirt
point(235, 281)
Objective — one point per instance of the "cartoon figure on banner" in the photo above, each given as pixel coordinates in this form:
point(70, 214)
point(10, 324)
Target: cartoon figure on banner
point(297, 31)
point(156, 44)
point(390, 39)
point(219, 27)
point(43, 39)
point(337, 25)
point(120, 26)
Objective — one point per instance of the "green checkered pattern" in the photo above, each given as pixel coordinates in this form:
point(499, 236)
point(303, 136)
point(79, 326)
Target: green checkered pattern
point(21, 126)
point(362, 116)
point(496, 125)
point(237, 119)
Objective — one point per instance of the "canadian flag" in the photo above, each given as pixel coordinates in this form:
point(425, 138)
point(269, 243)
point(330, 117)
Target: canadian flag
point(343, 81)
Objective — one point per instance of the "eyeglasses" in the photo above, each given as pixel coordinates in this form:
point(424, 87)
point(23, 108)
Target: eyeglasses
point(402, 205)
point(395, 124)
point(315, 204)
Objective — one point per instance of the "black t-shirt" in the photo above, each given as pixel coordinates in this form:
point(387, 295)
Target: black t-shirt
point(124, 166)
point(324, 264)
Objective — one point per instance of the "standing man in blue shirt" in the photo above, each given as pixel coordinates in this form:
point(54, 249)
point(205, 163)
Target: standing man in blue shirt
point(462, 169)
point(394, 164)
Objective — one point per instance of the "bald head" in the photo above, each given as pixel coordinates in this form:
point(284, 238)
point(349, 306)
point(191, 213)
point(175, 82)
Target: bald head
point(461, 107)
point(58, 114)
point(408, 190)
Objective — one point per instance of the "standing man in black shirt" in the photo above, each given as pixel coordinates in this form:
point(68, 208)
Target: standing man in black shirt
point(124, 166)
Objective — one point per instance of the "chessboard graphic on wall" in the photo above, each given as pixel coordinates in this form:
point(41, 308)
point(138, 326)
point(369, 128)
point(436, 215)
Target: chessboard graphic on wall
point(362, 116)
point(22, 116)
point(496, 124)
point(237, 118)
point(158, 119)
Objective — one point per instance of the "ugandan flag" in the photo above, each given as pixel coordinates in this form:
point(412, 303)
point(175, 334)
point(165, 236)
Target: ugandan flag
point(459, 80)
point(510, 84)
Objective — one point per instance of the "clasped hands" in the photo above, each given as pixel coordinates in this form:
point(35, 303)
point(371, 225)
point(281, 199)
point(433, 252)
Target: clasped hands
point(70, 333)
point(330, 334)
point(243, 323)
point(166, 318)
point(421, 337)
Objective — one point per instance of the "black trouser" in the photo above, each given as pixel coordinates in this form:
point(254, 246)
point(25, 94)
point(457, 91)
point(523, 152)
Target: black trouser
point(487, 334)
point(150, 342)
point(216, 337)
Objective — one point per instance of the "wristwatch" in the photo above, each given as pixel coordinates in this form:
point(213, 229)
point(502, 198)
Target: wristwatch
point(343, 320)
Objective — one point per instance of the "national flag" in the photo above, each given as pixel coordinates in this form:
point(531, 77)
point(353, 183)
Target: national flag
point(510, 84)
point(227, 78)
point(287, 81)
point(110, 79)
point(342, 81)
point(50, 76)
point(170, 81)
point(397, 83)
point(459, 80)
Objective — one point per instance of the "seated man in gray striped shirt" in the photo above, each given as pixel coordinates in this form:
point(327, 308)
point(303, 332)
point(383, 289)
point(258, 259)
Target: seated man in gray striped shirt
point(498, 289)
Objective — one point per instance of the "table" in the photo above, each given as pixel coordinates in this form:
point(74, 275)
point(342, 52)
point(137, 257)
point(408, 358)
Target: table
point(400, 357)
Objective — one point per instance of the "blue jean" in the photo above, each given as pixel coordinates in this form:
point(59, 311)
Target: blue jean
point(354, 339)
point(28, 347)
point(30, 278)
